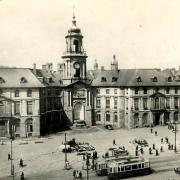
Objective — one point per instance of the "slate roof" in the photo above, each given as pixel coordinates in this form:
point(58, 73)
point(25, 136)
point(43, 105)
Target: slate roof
point(12, 78)
point(128, 78)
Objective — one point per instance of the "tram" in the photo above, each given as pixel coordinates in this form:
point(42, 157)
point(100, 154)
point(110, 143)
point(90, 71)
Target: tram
point(134, 166)
point(101, 165)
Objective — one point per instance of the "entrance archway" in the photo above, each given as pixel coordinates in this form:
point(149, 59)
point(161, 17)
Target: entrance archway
point(156, 119)
point(79, 111)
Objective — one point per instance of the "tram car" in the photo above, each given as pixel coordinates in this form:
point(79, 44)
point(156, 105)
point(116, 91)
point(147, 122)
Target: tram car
point(134, 166)
point(101, 165)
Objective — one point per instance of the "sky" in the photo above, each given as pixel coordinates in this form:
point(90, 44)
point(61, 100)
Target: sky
point(142, 33)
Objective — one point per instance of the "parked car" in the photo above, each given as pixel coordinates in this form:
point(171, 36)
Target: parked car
point(109, 126)
point(177, 170)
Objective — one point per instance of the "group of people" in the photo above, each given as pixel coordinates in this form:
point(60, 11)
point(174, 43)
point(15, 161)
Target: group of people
point(77, 174)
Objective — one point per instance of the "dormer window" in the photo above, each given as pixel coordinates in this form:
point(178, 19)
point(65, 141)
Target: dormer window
point(169, 79)
point(103, 79)
point(2, 80)
point(154, 79)
point(23, 80)
point(114, 79)
point(138, 79)
point(51, 80)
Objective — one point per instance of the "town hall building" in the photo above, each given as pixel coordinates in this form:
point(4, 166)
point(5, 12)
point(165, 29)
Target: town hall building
point(36, 102)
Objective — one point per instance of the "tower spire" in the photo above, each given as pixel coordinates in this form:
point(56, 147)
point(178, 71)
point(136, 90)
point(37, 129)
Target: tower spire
point(74, 18)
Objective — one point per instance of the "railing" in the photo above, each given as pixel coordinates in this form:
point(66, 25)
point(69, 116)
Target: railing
point(74, 53)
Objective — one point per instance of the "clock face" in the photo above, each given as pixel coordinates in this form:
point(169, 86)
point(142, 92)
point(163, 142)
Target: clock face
point(76, 65)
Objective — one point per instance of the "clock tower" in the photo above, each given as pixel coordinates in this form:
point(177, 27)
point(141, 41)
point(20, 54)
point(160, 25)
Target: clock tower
point(74, 65)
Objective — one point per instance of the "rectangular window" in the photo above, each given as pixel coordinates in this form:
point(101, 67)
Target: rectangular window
point(107, 116)
point(115, 117)
point(168, 102)
point(176, 90)
point(98, 103)
point(17, 108)
point(29, 93)
point(145, 103)
point(145, 90)
point(16, 93)
point(107, 103)
point(29, 107)
point(107, 91)
point(98, 91)
point(136, 103)
point(167, 90)
point(176, 102)
point(115, 103)
point(98, 117)
point(115, 91)
point(136, 91)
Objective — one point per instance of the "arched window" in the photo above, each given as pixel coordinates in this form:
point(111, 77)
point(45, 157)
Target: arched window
point(76, 45)
point(156, 103)
point(154, 79)
point(169, 79)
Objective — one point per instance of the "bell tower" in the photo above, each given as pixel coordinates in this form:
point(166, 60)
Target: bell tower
point(74, 66)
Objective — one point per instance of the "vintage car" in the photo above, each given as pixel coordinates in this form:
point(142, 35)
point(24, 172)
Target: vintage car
point(140, 142)
point(177, 170)
point(109, 126)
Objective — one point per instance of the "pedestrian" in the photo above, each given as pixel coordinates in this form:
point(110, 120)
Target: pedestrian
point(114, 142)
point(151, 130)
point(9, 157)
point(169, 146)
point(161, 140)
point(157, 153)
point(155, 133)
point(80, 174)
point(21, 163)
point(123, 148)
point(22, 176)
point(77, 173)
point(161, 149)
point(172, 147)
point(166, 139)
point(137, 147)
point(74, 173)
point(153, 146)
point(150, 151)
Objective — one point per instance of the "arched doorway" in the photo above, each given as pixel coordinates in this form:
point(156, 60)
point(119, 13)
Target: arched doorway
point(79, 111)
point(29, 126)
point(17, 127)
point(144, 119)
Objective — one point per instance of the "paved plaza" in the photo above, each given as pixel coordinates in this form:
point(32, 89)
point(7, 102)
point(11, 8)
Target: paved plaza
point(43, 160)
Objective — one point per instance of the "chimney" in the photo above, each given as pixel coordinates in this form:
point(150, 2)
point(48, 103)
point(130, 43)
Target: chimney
point(34, 68)
point(43, 67)
point(102, 68)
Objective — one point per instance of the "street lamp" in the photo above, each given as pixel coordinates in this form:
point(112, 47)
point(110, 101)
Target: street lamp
point(175, 130)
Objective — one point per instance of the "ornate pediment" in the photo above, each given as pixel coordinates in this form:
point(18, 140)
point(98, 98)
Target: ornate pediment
point(157, 94)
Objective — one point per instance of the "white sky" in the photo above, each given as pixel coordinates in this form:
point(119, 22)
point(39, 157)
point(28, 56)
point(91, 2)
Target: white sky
point(142, 33)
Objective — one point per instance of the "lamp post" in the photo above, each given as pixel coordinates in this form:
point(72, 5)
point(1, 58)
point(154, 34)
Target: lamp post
point(175, 130)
